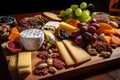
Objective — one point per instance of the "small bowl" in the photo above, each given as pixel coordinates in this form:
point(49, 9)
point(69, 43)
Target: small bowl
point(14, 46)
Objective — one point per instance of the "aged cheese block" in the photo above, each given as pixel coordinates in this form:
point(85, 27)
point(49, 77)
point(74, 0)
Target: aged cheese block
point(13, 63)
point(24, 59)
point(25, 70)
point(64, 53)
point(78, 54)
point(67, 27)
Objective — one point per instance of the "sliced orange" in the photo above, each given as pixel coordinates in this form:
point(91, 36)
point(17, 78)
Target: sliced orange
point(105, 26)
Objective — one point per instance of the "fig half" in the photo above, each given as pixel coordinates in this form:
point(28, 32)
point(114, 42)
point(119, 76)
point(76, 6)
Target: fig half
point(14, 46)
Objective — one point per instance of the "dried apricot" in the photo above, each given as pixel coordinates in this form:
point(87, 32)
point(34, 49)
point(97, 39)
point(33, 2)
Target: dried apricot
point(111, 31)
point(105, 26)
point(115, 40)
point(72, 22)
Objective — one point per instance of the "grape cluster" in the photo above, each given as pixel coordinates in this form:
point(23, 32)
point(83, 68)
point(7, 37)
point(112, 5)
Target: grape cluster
point(75, 11)
point(86, 33)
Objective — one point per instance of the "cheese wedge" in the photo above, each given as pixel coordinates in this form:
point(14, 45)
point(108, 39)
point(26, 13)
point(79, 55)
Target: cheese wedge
point(64, 53)
point(25, 70)
point(24, 59)
point(13, 63)
point(67, 27)
point(77, 53)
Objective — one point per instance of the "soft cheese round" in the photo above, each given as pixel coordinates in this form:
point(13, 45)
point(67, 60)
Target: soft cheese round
point(32, 39)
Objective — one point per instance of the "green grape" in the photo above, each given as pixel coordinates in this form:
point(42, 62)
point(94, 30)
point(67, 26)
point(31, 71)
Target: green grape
point(83, 5)
point(71, 16)
point(68, 11)
point(78, 12)
point(74, 7)
point(84, 16)
point(88, 12)
point(62, 13)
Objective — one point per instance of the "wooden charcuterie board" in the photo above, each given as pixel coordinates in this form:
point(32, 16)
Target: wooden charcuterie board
point(95, 64)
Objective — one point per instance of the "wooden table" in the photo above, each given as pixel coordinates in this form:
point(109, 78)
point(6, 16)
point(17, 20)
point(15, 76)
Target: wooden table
point(108, 70)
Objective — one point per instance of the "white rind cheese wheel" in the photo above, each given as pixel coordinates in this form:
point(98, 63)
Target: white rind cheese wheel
point(32, 39)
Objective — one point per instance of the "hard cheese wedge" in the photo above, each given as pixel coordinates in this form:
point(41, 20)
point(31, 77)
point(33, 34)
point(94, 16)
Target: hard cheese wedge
point(77, 53)
point(67, 27)
point(24, 59)
point(64, 53)
point(13, 63)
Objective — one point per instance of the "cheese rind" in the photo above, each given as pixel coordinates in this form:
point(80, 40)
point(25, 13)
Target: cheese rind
point(77, 53)
point(64, 53)
point(13, 63)
point(24, 59)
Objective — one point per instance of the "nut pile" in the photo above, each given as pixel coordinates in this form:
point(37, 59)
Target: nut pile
point(4, 31)
point(50, 61)
point(101, 47)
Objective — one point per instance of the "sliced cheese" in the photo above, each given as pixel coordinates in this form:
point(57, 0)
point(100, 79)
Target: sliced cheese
point(67, 27)
point(77, 53)
point(13, 63)
point(25, 70)
point(24, 59)
point(64, 53)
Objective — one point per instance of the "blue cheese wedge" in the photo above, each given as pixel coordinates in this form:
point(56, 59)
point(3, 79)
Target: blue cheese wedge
point(32, 39)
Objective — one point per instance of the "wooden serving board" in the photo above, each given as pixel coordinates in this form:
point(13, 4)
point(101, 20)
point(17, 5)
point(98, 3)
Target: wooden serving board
point(95, 64)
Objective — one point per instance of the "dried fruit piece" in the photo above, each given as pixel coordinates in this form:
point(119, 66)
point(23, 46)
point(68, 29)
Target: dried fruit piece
point(73, 22)
point(115, 40)
point(105, 26)
point(14, 34)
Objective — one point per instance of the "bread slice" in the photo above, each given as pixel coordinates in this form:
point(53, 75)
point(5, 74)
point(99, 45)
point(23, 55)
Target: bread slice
point(51, 16)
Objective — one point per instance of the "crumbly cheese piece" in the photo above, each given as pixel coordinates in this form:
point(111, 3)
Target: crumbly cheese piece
point(24, 59)
point(49, 36)
point(13, 63)
point(67, 27)
point(77, 53)
point(25, 70)
point(64, 53)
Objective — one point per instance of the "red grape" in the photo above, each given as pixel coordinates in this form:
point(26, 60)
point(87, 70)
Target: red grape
point(78, 39)
point(84, 29)
point(96, 25)
point(75, 33)
point(92, 21)
point(91, 29)
point(79, 25)
point(94, 37)
point(88, 36)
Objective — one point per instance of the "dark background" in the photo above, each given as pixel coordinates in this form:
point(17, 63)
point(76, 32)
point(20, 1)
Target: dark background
point(8, 7)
